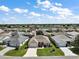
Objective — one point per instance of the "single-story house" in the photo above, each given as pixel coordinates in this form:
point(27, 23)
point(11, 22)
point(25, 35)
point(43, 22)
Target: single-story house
point(1, 30)
point(61, 40)
point(3, 36)
point(38, 40)
point(72, 35)
point(16, 39)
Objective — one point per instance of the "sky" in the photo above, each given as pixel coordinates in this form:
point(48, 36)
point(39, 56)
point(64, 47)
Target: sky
point(39, 11)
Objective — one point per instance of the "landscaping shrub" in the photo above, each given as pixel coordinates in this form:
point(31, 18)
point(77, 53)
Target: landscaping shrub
point(39, 33)
point(52, 41)
point(48, 30)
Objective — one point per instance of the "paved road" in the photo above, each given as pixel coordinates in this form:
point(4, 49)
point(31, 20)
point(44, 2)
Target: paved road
point(67, 52)
point(45, 57)
point(31, 52)
point(2, 52)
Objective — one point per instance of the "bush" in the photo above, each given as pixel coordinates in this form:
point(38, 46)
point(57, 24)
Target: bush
point(17, 48)
point(2, 43)
point(39, 33)
point(75, 50)
point(48, 30)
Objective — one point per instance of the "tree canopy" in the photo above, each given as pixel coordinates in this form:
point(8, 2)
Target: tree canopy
point(76, 42)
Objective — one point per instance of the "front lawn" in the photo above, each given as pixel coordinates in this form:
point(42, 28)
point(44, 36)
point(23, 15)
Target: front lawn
point(19, 52)
point(1, 48)
point(49, 52)
point(75, 50)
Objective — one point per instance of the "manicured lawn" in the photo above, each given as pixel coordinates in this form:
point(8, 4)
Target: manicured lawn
point(48, 52)
point(19, 52)
point(75, 50)
point(1, 48)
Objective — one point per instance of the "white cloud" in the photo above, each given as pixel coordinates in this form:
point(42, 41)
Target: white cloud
point(34, 14)
point(56, 8)
point(45, 4)
point(61, 11)
point(58, 4)
point(59, 14)
point(35, 6)
point(18, 10)
point(43, 9)
point(38, 1)
point(4, 8)
point(6, 14)
point(12, 18)
point(9, 20)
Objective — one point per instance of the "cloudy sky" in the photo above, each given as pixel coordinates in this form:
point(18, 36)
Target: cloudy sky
point(39, 11)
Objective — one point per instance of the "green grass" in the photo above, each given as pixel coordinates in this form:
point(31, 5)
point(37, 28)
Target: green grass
point(19, 52)
point(47, 52)
point(1, 48)
point(75, 50)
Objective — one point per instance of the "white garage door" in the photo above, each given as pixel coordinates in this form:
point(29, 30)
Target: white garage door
point(33, 45)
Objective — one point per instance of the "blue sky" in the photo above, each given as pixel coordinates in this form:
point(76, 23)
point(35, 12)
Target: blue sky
point(39, 11)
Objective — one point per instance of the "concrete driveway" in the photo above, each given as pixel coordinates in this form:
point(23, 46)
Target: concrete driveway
point(31, 52)
point(67, 51)
point(2, 52)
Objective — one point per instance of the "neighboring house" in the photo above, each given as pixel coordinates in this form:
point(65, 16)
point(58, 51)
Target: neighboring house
point(72, 35)
point(3, 36)
point(38, 39)
point(61, 40)
point(1, 31)
point(16, 39)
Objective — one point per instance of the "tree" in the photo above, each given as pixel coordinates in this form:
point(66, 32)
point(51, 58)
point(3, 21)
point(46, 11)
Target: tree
point(17, 48)
point(39, 32)
point(76, 42)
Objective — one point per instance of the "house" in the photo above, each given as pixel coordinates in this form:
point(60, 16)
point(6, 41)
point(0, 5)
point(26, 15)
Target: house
point(61, 40)
point(16, 39)
point(4, 36)
point(72, 35)
point(1, 31)
point(38, 41)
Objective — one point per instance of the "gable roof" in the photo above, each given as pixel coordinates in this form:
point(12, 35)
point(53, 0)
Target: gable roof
point(40, 38)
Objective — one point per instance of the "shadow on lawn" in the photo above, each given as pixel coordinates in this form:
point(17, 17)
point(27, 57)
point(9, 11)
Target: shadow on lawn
point(75, 50)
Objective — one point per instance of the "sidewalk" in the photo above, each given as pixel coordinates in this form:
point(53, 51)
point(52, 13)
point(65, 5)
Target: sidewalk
point(2, 52)
point(31, 52)
point(67, 52)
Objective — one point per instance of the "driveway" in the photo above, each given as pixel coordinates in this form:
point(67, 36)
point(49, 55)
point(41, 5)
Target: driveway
point(67, 51)
point(2, 52)
point(31, 52)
